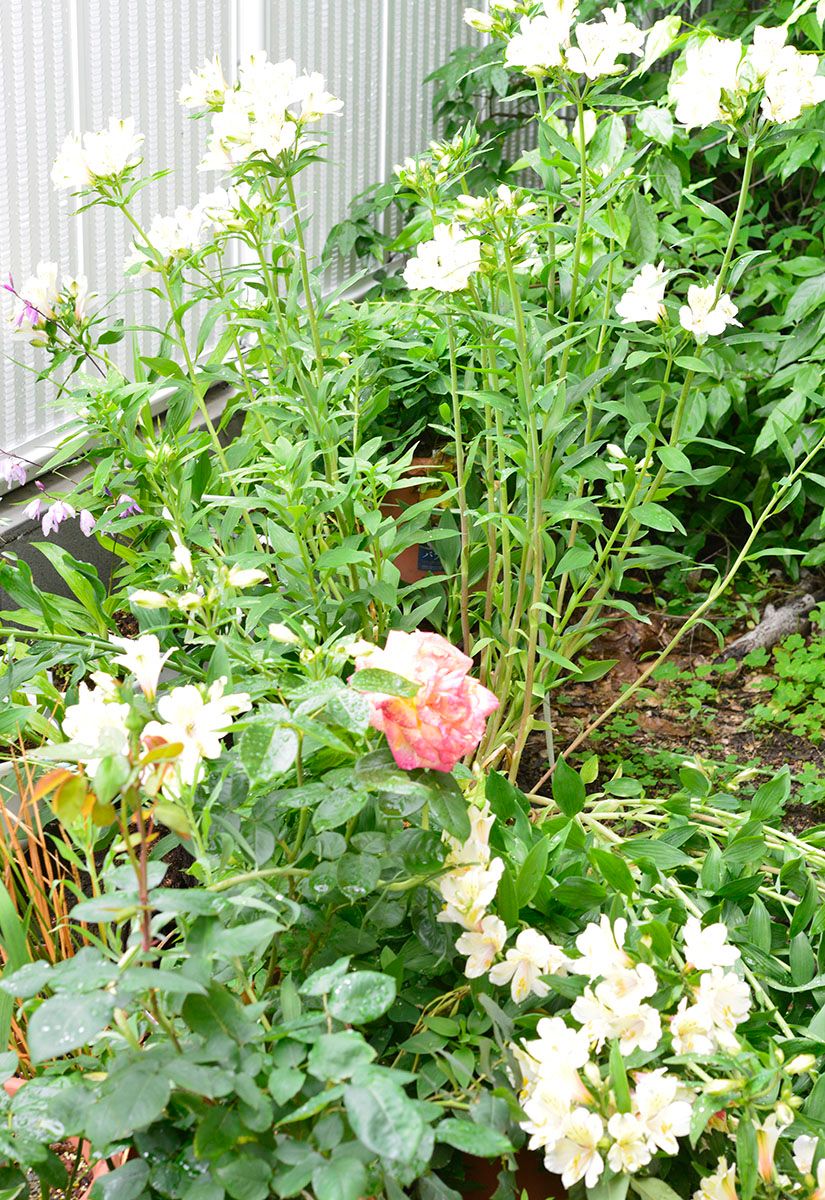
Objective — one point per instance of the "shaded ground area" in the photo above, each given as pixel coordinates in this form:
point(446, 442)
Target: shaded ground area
point(693, 709)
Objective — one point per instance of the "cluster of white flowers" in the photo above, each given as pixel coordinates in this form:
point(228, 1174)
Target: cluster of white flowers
point(560, 1094)
point(503, 203)
point(721, 1000)
point(100, 157)
point(545, 42)
point(707, 312)
point(44, 297)
point(469, 887)
point(176, 237)
point(192, 717)
point(264, 113)
point(443, 161)
point(717, 75)
point(446, 262)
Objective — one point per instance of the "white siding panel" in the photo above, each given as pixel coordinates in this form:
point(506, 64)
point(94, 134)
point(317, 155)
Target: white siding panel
point(72, 64)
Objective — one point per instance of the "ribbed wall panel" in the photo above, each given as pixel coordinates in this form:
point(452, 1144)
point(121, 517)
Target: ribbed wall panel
point(72, 64)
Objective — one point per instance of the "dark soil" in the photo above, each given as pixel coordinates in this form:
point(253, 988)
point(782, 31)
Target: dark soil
point(654, 732)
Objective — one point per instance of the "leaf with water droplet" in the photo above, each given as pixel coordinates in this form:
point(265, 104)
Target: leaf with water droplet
point(67, 1022)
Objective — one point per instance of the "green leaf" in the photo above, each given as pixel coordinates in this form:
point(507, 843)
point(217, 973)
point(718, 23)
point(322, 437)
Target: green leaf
point(387, 683)
point(383, 1118)
point(284, 1083)
point(618, 1078)
point(321, 982)
point(568, 789)
point(267, 749)
point(132, 1097)
point(448, 806)
point(358, 875)
point(361, 997)
point(126, 1183)
point(217, 1012)
point(344, 1178)
point(470, 1138)
point(654, 1189)
point(769, 801)
point(336, 1056)
point(643, 240)
point(532, 872)
point(338, 808)
point(245, 1177)
point(67, 1022)
point(656, 516)
point(746, 1157)
point(808, 296)
point(613, 870)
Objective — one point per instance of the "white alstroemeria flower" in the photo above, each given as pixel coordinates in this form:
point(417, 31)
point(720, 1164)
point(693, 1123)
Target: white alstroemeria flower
point(691, 1029)
point(446, 262)
point(173, 237)
point(467, 892)
point(181, 561)
point(97, 722)
point(709, 947)
point(316, 102)
point(206, 88)
point(230, 139)
point(144, 598)
point(768, 1133)
point(198, 722)
point(109, 152)
point(482, 22)
point(482, 945)
point(576, 1155)
point(601, 949)
point(547, 1109)
point(767, 42)
point(644, 298)
point(804, 1153)
point(141, 656)
point(539, 45)
point(41, 292)
point(727, 1000)
point(630, 1150)
point(599, 43)
point(791, 85)
point(70, 169)
point(604, 1015)
point(704, 316)
point(557, 1044)
point(721, 1185)
point(532, 957)
point(711, 67)
point(476, 849)
point(657, 1099)
point(623, 990)
point(244, 577)
point(266, 85)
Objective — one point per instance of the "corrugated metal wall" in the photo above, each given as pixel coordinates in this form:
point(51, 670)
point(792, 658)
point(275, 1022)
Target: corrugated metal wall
point(71, 64)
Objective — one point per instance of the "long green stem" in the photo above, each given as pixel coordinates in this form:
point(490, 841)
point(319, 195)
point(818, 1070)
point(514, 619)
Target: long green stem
point(309, 300)
point(579, 242)
point(464, 526)
point(696, 617)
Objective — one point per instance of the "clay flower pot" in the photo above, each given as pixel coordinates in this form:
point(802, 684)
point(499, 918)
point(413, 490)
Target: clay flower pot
point(416, 562)
point(13, 1086)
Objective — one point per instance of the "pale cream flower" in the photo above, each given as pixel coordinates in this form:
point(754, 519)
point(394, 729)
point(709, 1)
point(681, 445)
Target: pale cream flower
point(576, 1155)
point(316, 102)
point(482, 945)
point(599, 44)
point(446, 262)
point(206, 87)
point(691, 1029)
point(706, 316)
point(478, 20)
point(644, 298)
point(767, 42)
point(658, 1100)
point(467, 892)
point(721, 1185)
point(727, 1000)
point(141, 656)
point(532, 957)
point(630, 1150)
point(601, 948)
point(143, 598)
point(198, 722)
point(792, 84)
point(98, 723)
point(804, 1153)
point(539, 45)
point(244, 577)
point(708, 947)
point(710, 68)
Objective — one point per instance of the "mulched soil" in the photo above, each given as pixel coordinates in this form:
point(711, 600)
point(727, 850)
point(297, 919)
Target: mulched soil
point(722, 733)
point(83, 1180)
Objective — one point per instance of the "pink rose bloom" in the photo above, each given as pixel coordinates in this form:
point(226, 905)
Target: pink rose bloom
point(445, 719)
